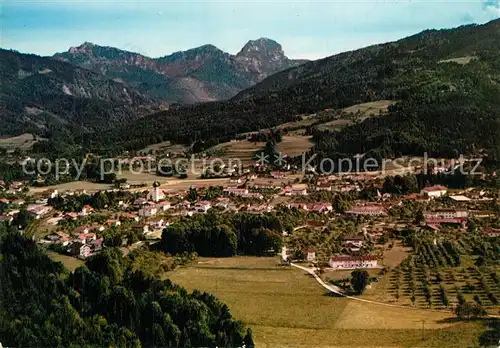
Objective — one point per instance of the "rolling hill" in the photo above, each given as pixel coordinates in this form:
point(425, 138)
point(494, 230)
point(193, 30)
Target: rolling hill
point(42, 95)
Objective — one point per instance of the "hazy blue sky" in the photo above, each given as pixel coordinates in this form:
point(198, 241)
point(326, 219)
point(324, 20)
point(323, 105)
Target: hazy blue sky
point(306, 29)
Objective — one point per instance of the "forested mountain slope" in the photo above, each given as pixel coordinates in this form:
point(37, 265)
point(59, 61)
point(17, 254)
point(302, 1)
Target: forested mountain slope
point(102, 304)
point(41, 95)
point(201, 74)
point(445, 106)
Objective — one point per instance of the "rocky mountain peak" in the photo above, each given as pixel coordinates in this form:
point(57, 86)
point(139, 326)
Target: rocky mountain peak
point(262, 47)
point(86, 47)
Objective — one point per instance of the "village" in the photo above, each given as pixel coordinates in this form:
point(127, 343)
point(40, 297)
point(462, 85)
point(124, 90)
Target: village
point(147, 213)
point(418, 243)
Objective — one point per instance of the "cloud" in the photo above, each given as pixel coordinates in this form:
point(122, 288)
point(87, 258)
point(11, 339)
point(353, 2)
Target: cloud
point(492, 6)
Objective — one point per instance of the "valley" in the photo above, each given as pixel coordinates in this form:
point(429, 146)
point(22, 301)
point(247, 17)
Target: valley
point(211, 199)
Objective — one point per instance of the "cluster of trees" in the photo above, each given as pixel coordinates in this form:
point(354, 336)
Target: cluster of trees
point(224, 235)
point(360, 279)
point(104, 303)
point(467, 311)
point(99, 200)
point(12, 172)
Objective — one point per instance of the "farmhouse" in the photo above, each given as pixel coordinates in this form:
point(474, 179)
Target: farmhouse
point(96, 244)
point(348, 188)
point(158, 224)
point(278, 175)
point(352, 262)
point(113, 222)
point(141, 228)
point(300, 206)
point(322, 208)
point(372, 210)
point(451, 221)
point(354, 241)
point(491, 232)
point(183, 204)
point(39, 210)
point(86, 210)
point(203, 206)
point(81, 250)
point(6, 218)
point(148, 210)
point(434, 191)
point(140, 201)
point(295, 190)
point(129, 216)
point(254, 195)
point(446, 214)
point(323, 187)
point(18, 202)
point(236, 180)
point(232, 191)
point(86, 237)
point(309, 254)
point(163, 206)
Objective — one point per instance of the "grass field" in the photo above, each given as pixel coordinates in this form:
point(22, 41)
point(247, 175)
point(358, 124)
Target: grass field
point(362, 111)
point(165, 147)
point(71, 186)
point(287, 308)
point(23, 142)
point(71, 263)
point(294, 145)
point(372, 108)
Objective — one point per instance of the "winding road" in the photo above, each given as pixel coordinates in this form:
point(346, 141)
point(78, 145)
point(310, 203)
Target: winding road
point(336, 290)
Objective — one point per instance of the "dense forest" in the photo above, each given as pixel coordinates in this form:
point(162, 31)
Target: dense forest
point(459, 113)
point(46, 97)
point(446, 83)
point(215, 234)
point(103, 303)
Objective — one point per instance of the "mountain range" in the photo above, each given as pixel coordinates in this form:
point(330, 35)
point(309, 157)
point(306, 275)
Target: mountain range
point(200, 74)
point(40, 95)
point(444, 84)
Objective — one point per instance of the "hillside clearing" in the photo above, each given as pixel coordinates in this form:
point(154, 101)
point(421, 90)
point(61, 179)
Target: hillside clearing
point(459, 60)
point(23, 142)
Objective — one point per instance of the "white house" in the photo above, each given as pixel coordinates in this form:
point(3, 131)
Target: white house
point(446, 214)
point(354, 243)
point(81, 249)
point(295, 190)
point(235, 191)
point(434, 191)
point(158, 224)
point(113, 222)
point(147, 211)
point(203, 206)
point(39, 210)
point(141, 228)
point(86, 210)
point(372, 210)
point(321, 208)
point(353, 262)
point(309, 254)
point(163, 206)
point(323, 186)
